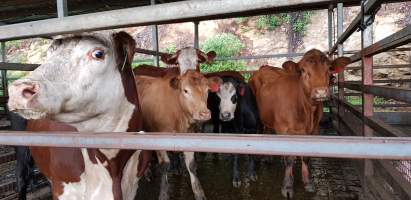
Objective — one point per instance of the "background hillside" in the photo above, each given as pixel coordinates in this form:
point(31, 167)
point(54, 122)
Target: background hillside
point(259, 35)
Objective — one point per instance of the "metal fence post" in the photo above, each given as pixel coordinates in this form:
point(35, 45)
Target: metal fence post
point(4, 72)
point(62, 10)
point(340, 21)
point(196, 35)
point(154, 35)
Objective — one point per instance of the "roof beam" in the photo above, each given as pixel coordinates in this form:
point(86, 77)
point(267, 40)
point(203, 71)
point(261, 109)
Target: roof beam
point(176, 12)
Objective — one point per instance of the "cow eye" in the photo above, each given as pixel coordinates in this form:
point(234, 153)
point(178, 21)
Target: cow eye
point(186, 91)
point(234, 98)
point(97, 54)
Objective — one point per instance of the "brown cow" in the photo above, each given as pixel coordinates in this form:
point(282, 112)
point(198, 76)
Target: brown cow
point(287, 102)
point(176, 104)
point(86, 83)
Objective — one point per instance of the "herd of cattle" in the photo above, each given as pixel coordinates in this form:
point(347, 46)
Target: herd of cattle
point(87, 84)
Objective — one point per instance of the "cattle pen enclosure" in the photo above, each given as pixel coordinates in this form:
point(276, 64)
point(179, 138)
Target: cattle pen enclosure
point(378, 142)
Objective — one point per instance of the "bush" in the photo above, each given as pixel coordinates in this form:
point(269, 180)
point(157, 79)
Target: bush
point(268, 21)
point(225, 45)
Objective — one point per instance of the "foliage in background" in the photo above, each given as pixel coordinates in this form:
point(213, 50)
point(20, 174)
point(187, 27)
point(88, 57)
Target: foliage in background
point(225, 45)
point(271, 22)
point(172, 48)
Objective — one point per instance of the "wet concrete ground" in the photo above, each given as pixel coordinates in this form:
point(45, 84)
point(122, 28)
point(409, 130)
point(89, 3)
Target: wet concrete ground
point(333, 178)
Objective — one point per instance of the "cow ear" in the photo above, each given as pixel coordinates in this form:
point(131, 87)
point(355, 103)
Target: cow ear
point(242, 90)
point(175, 82)
point(170, 59)
point(291, 67)
point(339, 64)
point(214, 83)
point(210, 56)
point(126, 44)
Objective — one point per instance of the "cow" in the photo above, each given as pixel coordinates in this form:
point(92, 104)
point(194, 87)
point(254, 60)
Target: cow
point(86, 85)
point(176, 104)
point(177, 63)
point(288, 102)
point(234, 108)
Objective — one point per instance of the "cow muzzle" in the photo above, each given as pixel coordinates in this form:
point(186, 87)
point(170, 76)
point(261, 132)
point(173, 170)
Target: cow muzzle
point(22, 99)
point(203, 115)
point(320, 94)
point(226, 116)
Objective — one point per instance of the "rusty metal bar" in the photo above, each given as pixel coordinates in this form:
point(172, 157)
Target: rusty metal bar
point(318, 146)
point(381, 66)
point(370, 6)
point(395, 40)
point(378, 125)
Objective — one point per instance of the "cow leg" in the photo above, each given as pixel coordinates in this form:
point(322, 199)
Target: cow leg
point(287, 189)
point(236, 172)
point(164, 165)
point(23, 171)
point(251, 168)
point(308, 186)
point(192, 169)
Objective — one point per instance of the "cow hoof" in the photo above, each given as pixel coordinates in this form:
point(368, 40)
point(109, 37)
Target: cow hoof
point(236, 183)
point(309, 187)
point(253, 176)
point(287, 192)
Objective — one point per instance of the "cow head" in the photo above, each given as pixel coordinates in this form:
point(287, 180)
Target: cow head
point(230, 92)
point(315, 70)
point(188, 58)
point(193, 89)
point(84, 76)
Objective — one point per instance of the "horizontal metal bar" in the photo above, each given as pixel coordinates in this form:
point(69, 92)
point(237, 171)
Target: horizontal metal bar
point(280, 55)
point(384, 81)
point(18, 66)
point(381, 66)
point(378, 125)
point(183, 11)
point(395, 40)
point(148, 52)
point(318, 146)
point(370, 6)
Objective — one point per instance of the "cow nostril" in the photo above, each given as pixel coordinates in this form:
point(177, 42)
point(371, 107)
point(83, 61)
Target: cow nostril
point(29, 92)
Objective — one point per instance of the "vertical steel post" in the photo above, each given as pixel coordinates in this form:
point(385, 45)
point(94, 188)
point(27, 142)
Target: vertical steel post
point(196, 36)
point(340, 27)
point(367, 99)
point(154, 36)
point(62, 10)
point(4, 72)
point(330, 27)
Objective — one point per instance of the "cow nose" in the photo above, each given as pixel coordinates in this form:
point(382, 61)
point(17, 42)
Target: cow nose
point(28, 89)
point(225, 116)
point(205, 115)
point(321, 94)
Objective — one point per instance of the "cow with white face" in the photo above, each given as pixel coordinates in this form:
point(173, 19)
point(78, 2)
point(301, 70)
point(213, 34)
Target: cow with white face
point(187, 58)
point(87, 84)
point(233, 108)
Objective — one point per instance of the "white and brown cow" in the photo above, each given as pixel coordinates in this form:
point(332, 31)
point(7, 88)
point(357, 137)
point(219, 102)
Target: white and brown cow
point(178, 63)
point(86, 84)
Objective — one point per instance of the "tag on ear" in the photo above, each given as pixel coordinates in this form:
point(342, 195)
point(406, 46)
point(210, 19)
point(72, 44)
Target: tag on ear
point(337, 70)
point(214, 87)
point(242, 91)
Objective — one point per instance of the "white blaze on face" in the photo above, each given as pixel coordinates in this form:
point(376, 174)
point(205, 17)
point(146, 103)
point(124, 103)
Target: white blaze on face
point(187, 59)
point(228, 101)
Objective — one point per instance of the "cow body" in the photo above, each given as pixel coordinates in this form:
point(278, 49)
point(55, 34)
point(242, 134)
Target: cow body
point(234, 108)
point(85, 85)
point(290, 101)
point(174, 104)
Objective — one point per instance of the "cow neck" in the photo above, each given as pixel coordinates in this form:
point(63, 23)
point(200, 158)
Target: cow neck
point(130, 91)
